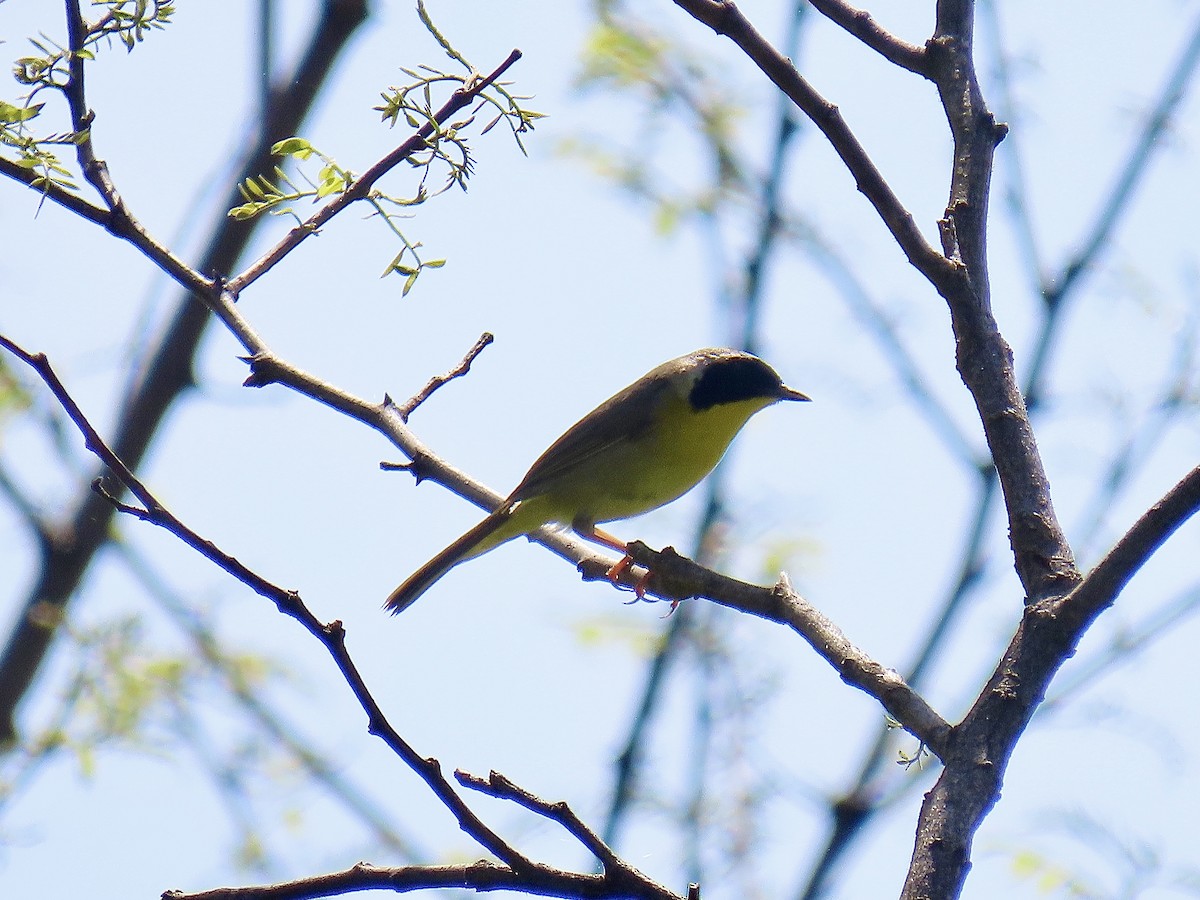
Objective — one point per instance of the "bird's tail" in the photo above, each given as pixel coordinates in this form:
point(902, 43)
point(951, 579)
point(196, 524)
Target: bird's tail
point(470, 544)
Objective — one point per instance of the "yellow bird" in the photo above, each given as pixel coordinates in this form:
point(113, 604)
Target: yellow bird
point(639, 450)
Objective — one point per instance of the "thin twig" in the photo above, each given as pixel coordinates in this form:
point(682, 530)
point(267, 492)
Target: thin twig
point(519, 872)
point(497, 785)
point(256, 707)
point(407, 408)
point(360, 187)
point(331, 636)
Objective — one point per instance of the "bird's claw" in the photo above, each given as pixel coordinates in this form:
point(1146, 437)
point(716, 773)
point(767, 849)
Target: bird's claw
point(622, 566)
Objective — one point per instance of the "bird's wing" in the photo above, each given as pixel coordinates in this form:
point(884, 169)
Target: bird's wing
point(618, 420)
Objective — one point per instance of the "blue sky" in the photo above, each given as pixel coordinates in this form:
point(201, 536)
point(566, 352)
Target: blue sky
point(511, 664)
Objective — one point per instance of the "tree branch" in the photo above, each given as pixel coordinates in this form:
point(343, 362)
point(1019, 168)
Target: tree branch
point(675, 576)
point(272, 722)
point(1056, 291)
point(407, 408)
point(726, 19)
point(524, 873)
point(478, 876)
point(861, 25)
point(166, 371)
point(58, 194)
point(1098, 591)
point(985, 740)
point(332, 636)
point(361, 186)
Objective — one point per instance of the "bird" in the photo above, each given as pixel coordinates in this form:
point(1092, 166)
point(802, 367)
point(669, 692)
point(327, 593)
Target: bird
point(639, 450)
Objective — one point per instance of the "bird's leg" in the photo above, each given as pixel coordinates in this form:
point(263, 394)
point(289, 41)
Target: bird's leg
point(589, 531)
point(592, 533)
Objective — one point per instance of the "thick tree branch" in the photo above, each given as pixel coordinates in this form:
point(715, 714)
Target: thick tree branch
point(982, 745)
point(675, 576)
point(1056, 289)
point(1100, 588)
point(1043, 558)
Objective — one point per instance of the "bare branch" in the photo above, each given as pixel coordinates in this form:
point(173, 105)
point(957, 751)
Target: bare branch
point(407, 408)
point(479, 876)
point(1100, 588)
point(332, 636)
point(859, 23)
point(497, 785)
point(1043, 558)
point(674, 576)
point(725, 18)
point(272, 721)
point(985, 739)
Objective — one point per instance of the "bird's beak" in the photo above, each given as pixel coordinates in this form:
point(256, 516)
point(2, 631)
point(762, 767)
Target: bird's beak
point(787, 393)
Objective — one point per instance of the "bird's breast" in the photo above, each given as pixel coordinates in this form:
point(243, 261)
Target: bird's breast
point(652, 468)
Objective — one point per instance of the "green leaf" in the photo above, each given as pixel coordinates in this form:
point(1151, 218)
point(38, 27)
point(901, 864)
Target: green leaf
point(12, 114)
point(293, 146)
point(331, 183)
point(408, 283)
